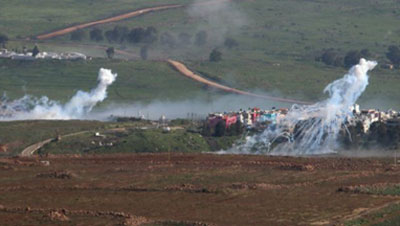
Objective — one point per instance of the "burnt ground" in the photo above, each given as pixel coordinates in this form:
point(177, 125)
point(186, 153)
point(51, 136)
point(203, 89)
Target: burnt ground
point(193, 189)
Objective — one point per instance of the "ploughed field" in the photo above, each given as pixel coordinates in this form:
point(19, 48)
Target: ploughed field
point(198, 189)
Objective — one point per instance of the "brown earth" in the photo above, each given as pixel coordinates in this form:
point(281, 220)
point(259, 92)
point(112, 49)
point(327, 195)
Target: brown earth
point(188, 73)
point(103, 21)
point(190, 189)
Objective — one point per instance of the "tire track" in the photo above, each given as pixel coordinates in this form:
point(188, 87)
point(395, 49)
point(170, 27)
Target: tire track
point(30, 150)
point(107, 20)
point(186, 72)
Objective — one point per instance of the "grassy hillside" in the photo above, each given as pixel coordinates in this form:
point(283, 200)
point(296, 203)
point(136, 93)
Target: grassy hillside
point(59, 80)
point(19, 135)
point(278, 42)
point(116, 137)
point(21, 18)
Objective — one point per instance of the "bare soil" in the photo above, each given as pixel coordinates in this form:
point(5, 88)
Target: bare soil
point(191, 189)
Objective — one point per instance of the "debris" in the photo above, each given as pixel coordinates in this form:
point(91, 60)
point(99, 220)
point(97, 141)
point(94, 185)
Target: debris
point(45, 163)
point(58, 216)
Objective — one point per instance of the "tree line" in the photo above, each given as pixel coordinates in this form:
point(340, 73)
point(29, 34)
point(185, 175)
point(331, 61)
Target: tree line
point(334, 58)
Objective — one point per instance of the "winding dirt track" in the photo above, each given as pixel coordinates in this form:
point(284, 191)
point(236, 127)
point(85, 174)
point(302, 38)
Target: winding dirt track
point(186, 72)
point(175, 64)
point(34, 147)
point(108, 20)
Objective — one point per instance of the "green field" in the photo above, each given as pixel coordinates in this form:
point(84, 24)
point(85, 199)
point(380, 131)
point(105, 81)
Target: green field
point(278, 42)
point(23, 19)
point(116, 137)
point(59, 80)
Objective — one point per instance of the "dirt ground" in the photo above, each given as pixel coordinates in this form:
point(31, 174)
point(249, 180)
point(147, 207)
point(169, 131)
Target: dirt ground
point(190, 189)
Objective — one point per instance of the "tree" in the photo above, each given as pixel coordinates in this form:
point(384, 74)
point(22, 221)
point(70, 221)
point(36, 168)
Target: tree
point(184, 38)
point(120, 33)
point(96, 35)
point(110, 52)
point(167, 39)
point(220, 129)
point(215, 55)
point(393, 54)
point(150, 35)
point(136, 35)
point(329, 57)
point(201, 38)
point(78, 35)
point(144, 52)
point(352, 58)
point(3, 40)
point(230, 43)
point(338, 62)
point(365, 53)
point(35, 51)
point(110, 36)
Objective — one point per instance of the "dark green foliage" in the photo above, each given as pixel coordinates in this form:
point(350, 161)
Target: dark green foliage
point(330, 57)
point(136, 35)
point(185, 38)
point(78, 35)
point(168, 39)
point(207, 131)
point(365, 53)
point(117, 35)
point(120, 33)
point(215, 56)
point(151, 35)
point(3, 40)
point(141, 35)
point(220, 129)
point(110, 52)
point(96, 35)
point(231, 43)
point(235, 129)
point(393, 54)
point(201, 38)
point(352, 58)
point(35, 51)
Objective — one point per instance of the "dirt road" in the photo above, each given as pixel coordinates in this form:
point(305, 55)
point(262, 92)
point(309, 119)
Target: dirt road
point(30, 150)
point(108, 20)
point(185, 71)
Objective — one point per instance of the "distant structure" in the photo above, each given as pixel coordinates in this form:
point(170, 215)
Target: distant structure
point(255, 118)
point(4, 53)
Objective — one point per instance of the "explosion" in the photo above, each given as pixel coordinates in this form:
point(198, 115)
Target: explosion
point(82, 103)
point(313, 129)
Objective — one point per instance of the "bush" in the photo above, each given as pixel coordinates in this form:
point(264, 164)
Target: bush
point(329, 57)
point(110, 52)
point(393, 54)
point(167, 39)
point(78, 35)
point(215, 56)
point(35, 51)
point(352, 58)
point(231, 43)
point(185, 39)
point(220, 129)
point(3, 40)
point(96, 35)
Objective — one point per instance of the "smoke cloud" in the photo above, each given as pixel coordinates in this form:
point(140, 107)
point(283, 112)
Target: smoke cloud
point(221, 17)
point(313, 129)
point(196, 108)
point(80, 105)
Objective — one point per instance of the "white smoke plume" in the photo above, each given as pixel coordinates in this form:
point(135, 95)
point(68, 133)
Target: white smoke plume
point(221, 17)
point(313, 129)
point(29, 108)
